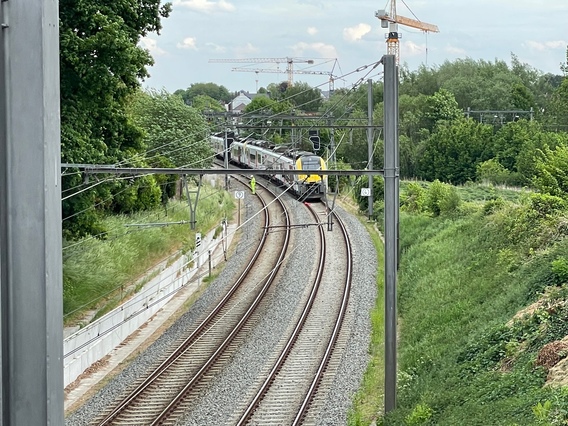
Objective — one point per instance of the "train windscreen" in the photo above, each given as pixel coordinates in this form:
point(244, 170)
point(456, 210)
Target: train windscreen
point(311, 162)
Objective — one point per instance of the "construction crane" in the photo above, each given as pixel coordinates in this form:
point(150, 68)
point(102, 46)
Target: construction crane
point(391, 20)
point(332, 77)
point(289, 63)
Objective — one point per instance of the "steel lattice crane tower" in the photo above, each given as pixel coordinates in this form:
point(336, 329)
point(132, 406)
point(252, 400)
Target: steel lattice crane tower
point(391, 20)
point(287, 60)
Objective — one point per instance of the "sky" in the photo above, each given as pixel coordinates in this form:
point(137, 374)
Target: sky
point(341, 37)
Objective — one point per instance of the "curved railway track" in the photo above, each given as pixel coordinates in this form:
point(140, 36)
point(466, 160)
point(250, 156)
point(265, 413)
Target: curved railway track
point(170, 388)
point(285, 397)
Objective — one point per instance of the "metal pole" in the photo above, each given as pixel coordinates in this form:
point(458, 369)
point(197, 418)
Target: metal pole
point(391, 226)
point(370, 143)
point(226, 155)
point(31, 308)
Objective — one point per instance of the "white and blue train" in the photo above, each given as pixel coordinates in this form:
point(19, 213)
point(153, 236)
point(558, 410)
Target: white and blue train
point(264, 155)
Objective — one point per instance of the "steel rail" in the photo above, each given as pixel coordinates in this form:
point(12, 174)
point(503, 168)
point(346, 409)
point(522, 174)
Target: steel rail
point(182, 348)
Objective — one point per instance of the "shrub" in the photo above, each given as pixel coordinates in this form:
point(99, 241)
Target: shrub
point(420, 415)
point(413, 200)
point(442, 198)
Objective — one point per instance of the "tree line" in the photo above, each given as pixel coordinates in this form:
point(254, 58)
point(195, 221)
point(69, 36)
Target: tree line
point(106, 118)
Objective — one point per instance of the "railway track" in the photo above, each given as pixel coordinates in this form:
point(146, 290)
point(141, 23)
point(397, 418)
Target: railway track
point(167, 392)
point(287, 394)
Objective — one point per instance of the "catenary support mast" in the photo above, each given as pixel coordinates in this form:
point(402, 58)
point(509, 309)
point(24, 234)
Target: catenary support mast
point(30, 215)
point(391, 175)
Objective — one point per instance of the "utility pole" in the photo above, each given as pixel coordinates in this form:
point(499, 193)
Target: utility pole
point(370, 144)
point(31, 303)
point(391, 171)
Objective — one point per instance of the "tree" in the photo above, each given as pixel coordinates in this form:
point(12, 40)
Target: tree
point(172, 129)
point(304, 97)
point(551, 175)
point(220, 93)
point(442, 106)
point(452, 153)
point(101, 64)
point(205, 103)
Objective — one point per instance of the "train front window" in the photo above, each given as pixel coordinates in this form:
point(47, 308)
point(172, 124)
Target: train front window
point(311, 162)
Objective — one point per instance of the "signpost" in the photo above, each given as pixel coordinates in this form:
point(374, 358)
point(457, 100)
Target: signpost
point(239, 195)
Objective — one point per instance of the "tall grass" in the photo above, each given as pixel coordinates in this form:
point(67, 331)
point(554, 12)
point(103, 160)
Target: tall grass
point(457, 292)
point(98, 273)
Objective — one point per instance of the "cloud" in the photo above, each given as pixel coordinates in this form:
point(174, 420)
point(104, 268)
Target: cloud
point(322, 49)
point(312, 30)
point(547, 45)
point(206, 6)
point(455, 50)
point(409, 48)
point(245, 50)
point(216, 48)
point(357, 32)
point(152, 46)
point(187, 43)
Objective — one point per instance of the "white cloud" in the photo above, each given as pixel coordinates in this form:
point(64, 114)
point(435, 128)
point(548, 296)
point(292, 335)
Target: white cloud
point(188, 43)
point(357, 32)
point(409, 48)
point(547, 45)
point(455, 50)
point(245, 50)
point(216, 48)
point(312, 30)
point(152, 46)
point(206, 6)
point(322, 49)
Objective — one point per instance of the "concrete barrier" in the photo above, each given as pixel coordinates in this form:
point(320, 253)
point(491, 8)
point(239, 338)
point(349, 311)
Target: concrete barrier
point(93, 342)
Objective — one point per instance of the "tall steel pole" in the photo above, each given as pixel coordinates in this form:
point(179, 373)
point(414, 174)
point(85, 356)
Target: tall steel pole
point(370, 143)
point(391, 171)
point(31, 309)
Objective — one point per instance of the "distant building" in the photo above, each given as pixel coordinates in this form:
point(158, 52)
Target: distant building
point(238, 104)
point(244, 98)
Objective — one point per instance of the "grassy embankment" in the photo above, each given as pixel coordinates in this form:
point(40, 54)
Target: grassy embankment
point(463, 277)
point(100, 273)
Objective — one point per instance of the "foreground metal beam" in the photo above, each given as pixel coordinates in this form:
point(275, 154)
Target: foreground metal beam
point(101, 169)
point(31, 291)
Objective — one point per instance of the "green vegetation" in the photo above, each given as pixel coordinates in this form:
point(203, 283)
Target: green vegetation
point(467, 352)
point(99, 273)
point(369, 399)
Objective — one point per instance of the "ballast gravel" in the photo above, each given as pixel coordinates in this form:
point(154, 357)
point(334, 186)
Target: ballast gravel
point(219, 404)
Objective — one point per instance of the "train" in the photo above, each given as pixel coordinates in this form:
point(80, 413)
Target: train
point(265, 155)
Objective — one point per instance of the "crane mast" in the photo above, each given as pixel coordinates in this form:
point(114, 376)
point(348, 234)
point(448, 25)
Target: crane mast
point(391, 20)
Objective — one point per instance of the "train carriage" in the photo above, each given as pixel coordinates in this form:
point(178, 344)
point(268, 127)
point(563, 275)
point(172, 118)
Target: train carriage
point(263, 155)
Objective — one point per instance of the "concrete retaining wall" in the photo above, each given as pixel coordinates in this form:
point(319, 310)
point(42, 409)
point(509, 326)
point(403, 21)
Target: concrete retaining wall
point(93, 342)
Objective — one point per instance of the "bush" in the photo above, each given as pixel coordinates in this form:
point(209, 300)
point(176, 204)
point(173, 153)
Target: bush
point(413, 200)
point(420, 415)
point(491, 171)
point(442, 198)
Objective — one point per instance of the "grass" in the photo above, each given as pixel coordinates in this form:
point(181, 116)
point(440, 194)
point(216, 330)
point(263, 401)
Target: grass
point(368, 401)
point(454, 301)
point(99, 273)
point(461, 281)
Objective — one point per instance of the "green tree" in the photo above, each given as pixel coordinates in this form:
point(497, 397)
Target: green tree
point(453, 152)
point(101, 64)
point(172, 129)
point(205, 103)
point(304, 97)
point(215, 91)
point(442, 106)
point(551, 168)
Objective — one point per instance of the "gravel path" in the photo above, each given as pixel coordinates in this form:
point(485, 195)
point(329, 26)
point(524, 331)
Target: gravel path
point(218, 404)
